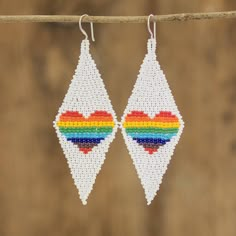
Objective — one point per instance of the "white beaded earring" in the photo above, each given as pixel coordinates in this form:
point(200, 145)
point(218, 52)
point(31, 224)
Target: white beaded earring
point(86, 122)
point(151, 124)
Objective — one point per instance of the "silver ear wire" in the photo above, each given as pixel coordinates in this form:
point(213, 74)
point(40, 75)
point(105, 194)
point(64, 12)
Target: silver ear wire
point(83, 31)
point(153, 34)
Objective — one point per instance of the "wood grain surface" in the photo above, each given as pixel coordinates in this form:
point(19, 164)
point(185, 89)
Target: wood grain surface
point(116, 19)
point(37, 61)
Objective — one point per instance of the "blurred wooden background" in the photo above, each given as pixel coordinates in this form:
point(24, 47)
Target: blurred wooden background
point(37, 61)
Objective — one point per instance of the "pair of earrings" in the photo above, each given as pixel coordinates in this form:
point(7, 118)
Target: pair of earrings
point(86, 122)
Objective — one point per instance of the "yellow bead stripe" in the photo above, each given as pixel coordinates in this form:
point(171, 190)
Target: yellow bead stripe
point(84, 124)
point(151, 124)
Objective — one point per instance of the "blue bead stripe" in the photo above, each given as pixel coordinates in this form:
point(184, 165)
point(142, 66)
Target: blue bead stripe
point(152, 135)
point(86, 135)
point(151, 140)
point(85, 140)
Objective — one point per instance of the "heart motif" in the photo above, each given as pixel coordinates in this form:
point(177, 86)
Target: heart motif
point(86, 133)
point(151, 133)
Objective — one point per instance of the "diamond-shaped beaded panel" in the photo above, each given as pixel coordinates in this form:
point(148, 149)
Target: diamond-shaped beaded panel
point(86, 123)
point(151, 124)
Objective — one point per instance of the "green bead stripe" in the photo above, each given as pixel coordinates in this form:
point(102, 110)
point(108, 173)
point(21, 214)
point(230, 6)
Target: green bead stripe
point(105, 129)
point(151, 130)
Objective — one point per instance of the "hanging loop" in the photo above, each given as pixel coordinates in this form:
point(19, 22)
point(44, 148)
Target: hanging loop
point(153, 34)
point(83, 31)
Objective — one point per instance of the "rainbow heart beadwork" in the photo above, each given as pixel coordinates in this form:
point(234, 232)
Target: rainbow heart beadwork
point(151, 133)
point(86, 133)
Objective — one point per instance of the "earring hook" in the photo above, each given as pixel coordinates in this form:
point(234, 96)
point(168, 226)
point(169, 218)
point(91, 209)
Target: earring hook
point(149, 28)
point(83, 31)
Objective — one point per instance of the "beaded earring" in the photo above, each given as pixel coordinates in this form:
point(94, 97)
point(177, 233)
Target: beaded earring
point(151, 124)
point(86, 122)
